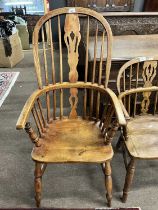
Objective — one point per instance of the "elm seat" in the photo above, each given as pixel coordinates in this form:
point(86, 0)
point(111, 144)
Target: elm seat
point(72, 141)
point(143, 137)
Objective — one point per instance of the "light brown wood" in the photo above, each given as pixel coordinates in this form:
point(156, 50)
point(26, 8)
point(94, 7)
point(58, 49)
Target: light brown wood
point(140, 134)
point(41, 112)
point(48, 108)
point(93, 71)
point(84, 144)
point(129, 179)
point(53, 67)
point(108, 182)
point(70, 138)
point(132, 62)
point(61, 67)
point(39, 119)
point(33, 136)
point(52, 52)
point(124, 47)
point(45, 58)
point(108, 113)
point(68, 10)
point(86, 69)
point(54, 104)
point(95, 51)
point(135, 98)
point(72, 26)
point(101, 59)
point(36, 121)
point(38, 183)
point(98, 106)
point(142, 137)
point(111, 133)
point(149, 72)
point(31, 100)
point(128, 14)
point(87, 44)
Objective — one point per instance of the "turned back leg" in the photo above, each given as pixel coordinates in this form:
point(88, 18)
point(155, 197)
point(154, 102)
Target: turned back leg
point(128, 179)
point(39, 170)
point(108, 182)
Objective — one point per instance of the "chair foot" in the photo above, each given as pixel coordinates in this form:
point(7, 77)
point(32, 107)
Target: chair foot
point(38, 183)
point(124, 198)
point(128, 179)
point(38, 199)
point(108, 183)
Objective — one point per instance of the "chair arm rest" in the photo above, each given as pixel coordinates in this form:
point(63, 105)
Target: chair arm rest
point(132, 91)
point(117, 107)
point(26, 110)
point(127, 117)
point(137, 90)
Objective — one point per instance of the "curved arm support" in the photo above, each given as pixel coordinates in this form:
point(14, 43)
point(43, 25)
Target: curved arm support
point(117, 106)
point(31, 100)
point(132, 91)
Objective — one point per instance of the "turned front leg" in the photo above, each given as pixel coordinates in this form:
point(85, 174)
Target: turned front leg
point(38, 183)
point(108, 182)
point(129, 179)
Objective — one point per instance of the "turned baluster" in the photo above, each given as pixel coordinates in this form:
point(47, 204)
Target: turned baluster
point(33, 136)
point(111, 133)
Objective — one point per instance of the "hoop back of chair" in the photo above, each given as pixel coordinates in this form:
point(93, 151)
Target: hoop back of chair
point(139, 73)
point(73, 37)
point(59, 64)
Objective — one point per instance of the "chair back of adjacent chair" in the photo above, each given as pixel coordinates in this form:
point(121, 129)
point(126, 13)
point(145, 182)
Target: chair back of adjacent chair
point(137, 85)
point(72, 39)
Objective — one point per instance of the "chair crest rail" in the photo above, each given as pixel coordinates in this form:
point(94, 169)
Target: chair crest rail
point(72, 39)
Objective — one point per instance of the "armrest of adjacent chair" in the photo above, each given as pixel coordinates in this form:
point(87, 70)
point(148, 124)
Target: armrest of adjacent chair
point(133, 91)
point(117, 106)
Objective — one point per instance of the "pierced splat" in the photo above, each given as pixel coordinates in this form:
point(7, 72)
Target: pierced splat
point(149, 73)
point(72, 39)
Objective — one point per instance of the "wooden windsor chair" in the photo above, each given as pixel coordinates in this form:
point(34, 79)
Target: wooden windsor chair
point(137, 84)
point(70, 127)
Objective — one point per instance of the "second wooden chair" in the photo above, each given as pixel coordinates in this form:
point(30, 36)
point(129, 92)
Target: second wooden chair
point(137, 85)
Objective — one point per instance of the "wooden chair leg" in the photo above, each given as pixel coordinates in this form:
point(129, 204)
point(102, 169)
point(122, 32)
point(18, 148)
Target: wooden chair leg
point(38, 183)
point(124, 155)
point(108, 182)
point(128, 179)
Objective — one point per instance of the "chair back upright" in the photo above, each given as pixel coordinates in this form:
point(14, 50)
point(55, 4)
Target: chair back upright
point(54, 69)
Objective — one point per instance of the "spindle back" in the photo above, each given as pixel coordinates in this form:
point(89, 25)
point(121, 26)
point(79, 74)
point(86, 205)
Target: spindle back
point(64, 23)
point(139, 74)
point(56, 59)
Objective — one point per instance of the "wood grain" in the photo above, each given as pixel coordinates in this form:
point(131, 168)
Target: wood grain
point(84, 144)
point(140, 134)
point(31, 100)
